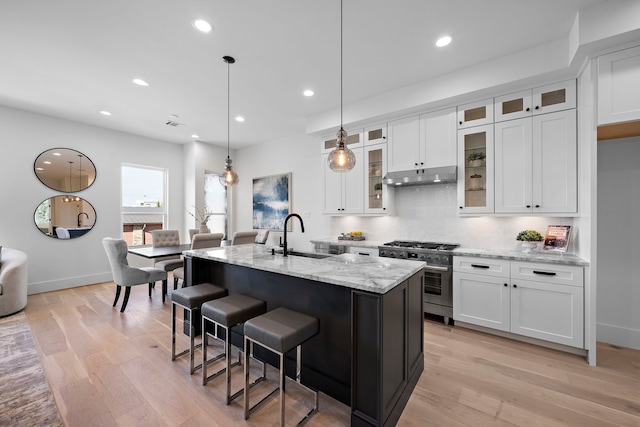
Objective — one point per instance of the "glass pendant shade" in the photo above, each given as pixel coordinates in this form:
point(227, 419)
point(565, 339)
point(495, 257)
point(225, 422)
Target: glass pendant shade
point(228, 177)
point(341, 159)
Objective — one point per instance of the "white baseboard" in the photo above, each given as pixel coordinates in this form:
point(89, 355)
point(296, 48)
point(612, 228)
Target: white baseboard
point(69, 282)
point(618, 335)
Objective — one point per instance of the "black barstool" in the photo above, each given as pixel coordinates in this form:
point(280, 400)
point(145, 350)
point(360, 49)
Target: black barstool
point(191, 299)
point(226, 313)
point(279, 330)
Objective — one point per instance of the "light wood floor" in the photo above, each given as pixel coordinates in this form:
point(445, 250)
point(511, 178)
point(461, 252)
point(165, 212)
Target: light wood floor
point(107, 368)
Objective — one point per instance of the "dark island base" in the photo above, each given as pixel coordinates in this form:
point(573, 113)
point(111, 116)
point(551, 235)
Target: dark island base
point(369, 351)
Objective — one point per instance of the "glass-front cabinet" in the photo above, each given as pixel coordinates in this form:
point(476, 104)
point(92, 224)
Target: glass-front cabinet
point(375, 134)
point(475, 170)
point(355, 139)
point(375, 168)
point(541, 100)
point(475, 114)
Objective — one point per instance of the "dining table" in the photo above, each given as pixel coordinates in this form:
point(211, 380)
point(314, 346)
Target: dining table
point(149, 251)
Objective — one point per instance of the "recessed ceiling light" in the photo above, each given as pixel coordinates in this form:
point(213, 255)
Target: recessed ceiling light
point(202, 25)
point(443, 41)
point(105, 113)
point(140, 82)
point(308, 92)
point(194, 136)
point(239, 119)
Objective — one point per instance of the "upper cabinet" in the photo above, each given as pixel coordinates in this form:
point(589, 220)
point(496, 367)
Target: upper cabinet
point(375, 134)
point(536, 164)
point(424, 141)
point(475, 170)
point(619, 86)
point(344, 191)
point(475, 114)
point(376, 194)
point(541, 100)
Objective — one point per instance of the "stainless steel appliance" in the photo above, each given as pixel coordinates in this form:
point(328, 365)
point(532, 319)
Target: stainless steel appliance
point(438, 271)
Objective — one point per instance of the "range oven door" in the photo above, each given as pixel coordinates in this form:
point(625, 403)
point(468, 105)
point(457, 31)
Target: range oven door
point(438, 290)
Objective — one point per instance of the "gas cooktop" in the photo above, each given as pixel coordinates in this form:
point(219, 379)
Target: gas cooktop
point(410, 244)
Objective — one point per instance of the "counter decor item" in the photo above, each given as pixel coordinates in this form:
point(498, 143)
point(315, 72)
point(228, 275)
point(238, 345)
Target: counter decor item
point(476, 159)
point(353, 235)
point(529, 239)
point(557, 238)
point(201, 217)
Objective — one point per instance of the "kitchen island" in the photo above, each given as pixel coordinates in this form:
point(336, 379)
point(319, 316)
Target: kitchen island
point(369, 351)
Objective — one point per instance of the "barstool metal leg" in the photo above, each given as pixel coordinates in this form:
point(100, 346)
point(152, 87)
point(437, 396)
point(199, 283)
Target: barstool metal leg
point(173, 332)
point(282, 390)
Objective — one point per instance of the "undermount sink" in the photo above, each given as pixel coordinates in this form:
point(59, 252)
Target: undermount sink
point(304, 254)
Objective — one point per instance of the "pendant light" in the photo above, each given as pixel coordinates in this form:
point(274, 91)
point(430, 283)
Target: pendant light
point(229, 177)
point(341, 159)
point(68, 198)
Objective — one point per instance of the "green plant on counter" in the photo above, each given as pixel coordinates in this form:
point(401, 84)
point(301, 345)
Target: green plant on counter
point(530, 236)
point(479, 155)
point(377, 187)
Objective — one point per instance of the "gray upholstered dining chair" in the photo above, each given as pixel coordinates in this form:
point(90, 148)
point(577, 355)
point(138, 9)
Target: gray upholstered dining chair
point(166, 238)
point(192, 232)
point(198, 241)
point(124, 275)
point(244, 237)
point(262, 236)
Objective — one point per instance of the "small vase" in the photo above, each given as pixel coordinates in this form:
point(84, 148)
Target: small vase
point(528, 246)
point(204, 228)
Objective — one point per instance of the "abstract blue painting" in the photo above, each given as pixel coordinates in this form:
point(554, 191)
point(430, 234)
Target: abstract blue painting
point(271, 201)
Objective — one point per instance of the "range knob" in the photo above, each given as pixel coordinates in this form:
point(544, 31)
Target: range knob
point(423, 257)
point(402, 255)
point(392, 254)
point(383, 253)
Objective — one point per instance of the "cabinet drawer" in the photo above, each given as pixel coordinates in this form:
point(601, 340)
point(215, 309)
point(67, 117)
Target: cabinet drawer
point(548, 273)
point(482, 266)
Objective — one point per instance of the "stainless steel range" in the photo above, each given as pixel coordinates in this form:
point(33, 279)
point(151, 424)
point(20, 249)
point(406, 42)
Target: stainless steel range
point(438, 274)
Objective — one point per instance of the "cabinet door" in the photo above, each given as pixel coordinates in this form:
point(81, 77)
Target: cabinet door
point(353, 190)
point(555, 162)
point(375, 192)
point(375, 134)
point(481, 300)
point(475, 114)
point(554, 97)
point(548, 311)
point(513, 106)
point(619, 86)
point(513, 180)
point(333, 201)
point(404, 144)
point(438, 138)
point(475, 169)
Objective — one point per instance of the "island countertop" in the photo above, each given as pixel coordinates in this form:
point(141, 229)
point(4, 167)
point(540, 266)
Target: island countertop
point(372, 274)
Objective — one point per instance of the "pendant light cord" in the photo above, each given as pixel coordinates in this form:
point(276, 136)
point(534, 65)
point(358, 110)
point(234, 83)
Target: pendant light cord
point(341, 121)
point(228, 105)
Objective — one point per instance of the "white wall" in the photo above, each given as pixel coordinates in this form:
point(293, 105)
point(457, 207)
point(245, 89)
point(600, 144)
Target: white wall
point(618, 310)
point(55, 264)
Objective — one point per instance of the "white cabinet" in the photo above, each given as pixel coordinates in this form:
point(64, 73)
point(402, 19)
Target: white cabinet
point(424, 141)
point(404, 144)
point(536, 164)
point(543, 301)
point(475, 170)
point(619, 86)
point(355, 139)
point(375, 134)
point(376, 194)
point(475, 114)
point(344, 191)
point(438, 146)
point(541, 100)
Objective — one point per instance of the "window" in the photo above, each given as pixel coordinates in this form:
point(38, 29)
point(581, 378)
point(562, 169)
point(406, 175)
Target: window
point(143, 203)
point(215, 204)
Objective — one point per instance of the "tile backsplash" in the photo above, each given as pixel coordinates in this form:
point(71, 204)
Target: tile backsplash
point(429, 213)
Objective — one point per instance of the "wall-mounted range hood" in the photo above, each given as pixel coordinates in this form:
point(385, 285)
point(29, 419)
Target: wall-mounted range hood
point(428, 176)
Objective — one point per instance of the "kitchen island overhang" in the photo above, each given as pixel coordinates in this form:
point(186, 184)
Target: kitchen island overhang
point(369, 351)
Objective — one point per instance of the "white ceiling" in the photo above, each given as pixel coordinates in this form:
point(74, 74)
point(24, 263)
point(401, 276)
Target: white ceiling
point(73, 58)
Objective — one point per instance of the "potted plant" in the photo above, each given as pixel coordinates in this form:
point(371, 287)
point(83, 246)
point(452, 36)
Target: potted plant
point(378, 187)
point(476, 158)
point(529, 239)
point(201, 217)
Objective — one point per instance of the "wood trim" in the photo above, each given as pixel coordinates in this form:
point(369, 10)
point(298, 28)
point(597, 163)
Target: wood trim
point(619, 130)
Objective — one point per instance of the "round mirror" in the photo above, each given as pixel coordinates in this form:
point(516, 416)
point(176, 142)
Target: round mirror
point(65, 217)
point(65, 170)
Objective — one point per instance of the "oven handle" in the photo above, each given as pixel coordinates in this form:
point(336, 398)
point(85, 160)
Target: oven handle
point(436, 268)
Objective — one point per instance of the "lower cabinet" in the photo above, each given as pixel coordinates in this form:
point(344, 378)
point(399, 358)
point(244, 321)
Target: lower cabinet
point(543, 301)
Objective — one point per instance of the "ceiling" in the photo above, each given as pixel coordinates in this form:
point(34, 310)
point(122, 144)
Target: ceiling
point(74, 58)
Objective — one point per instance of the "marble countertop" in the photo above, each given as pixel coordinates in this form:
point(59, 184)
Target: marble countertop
point(372, 274)
point(547, 257)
